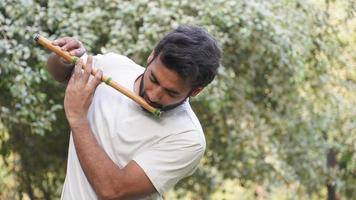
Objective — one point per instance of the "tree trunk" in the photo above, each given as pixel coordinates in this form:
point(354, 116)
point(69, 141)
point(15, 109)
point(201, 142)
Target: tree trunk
point(332, 163)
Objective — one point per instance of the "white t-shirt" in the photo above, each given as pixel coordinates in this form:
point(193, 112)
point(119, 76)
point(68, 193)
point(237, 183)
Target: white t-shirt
point(168, 148)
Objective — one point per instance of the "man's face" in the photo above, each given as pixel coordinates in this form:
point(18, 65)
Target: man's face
point(162, 87)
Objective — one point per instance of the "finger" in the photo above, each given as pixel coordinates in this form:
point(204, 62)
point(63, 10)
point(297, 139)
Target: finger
point(78, 70)
point(96, 80)
point(61, 41)
point(87, 70)
point(71, 45)
point(78, 52)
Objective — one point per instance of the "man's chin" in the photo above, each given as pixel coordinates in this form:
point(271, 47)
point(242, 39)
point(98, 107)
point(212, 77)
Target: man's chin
point(163, 108)
point(160, 106)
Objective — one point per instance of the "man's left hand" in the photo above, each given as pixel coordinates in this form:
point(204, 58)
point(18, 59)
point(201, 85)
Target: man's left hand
point(80, 91)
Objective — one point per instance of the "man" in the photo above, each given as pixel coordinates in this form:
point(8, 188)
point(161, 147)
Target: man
point(117, 150)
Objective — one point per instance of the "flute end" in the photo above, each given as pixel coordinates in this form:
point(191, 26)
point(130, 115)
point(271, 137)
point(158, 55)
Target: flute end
point(36, 37)
point(157, 112)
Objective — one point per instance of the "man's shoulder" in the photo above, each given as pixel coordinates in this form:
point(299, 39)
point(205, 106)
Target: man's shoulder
point(112, 57)
point(186, 124)
point(118, 65)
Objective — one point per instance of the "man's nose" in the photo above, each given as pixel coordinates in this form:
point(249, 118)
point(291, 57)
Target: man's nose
point(156, 94)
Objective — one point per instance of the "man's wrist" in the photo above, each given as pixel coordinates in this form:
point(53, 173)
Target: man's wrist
point(76, 123)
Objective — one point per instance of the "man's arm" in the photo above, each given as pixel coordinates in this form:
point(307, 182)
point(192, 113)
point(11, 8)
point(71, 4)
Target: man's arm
point(59, 68)
point(107, 179)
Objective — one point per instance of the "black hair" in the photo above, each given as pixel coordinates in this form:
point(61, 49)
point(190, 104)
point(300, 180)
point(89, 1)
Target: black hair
point(192, 52)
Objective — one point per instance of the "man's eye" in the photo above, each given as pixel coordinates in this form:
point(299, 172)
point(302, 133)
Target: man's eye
point(171, 95)
point(153, 80)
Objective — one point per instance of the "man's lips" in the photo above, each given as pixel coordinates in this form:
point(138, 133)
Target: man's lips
point(152, 103)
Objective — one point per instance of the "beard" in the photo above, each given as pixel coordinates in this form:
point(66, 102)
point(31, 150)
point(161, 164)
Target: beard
point(143, 94)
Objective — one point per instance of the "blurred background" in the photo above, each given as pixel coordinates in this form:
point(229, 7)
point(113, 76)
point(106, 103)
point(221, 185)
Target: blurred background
point(280, 118)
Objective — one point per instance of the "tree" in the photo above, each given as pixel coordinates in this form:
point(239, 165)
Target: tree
point(281, 103)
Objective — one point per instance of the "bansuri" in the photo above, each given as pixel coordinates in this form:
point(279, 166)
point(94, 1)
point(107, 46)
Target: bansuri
point(106, 79)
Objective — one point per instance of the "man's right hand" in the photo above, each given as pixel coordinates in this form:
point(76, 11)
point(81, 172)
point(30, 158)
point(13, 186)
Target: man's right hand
point(70, 44)
point(60, 69)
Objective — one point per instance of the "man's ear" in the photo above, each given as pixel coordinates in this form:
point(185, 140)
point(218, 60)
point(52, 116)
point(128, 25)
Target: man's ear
point(196, 91)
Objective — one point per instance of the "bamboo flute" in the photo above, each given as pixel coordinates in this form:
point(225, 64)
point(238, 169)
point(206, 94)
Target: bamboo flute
point(73, 59)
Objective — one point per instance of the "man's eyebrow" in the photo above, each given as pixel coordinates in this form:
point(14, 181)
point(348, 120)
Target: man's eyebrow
point(167, 89)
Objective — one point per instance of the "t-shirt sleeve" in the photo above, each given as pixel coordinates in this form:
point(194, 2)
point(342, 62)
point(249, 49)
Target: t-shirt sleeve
point(171, 159)
point(96, 59)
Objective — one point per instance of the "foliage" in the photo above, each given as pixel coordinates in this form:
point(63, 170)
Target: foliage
point(283, 99)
